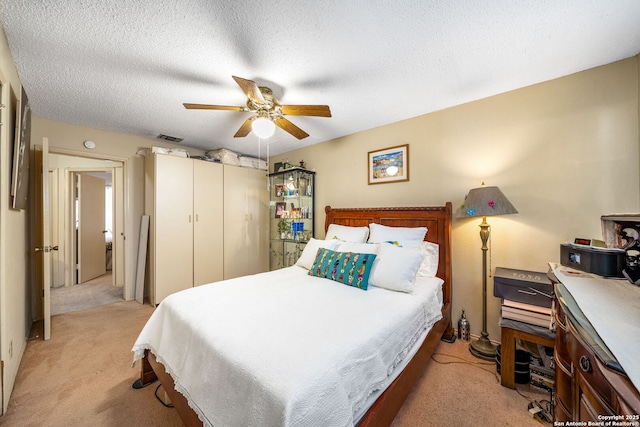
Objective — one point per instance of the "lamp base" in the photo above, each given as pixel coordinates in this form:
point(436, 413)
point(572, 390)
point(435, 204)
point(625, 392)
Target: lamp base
point(482, 348)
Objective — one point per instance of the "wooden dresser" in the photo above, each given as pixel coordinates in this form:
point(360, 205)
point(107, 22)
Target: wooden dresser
point(590, 385)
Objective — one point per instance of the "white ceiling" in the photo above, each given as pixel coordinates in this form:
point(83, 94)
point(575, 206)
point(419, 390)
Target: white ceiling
point(128, 66)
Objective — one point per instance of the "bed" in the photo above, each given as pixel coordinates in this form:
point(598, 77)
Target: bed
point(380, 401)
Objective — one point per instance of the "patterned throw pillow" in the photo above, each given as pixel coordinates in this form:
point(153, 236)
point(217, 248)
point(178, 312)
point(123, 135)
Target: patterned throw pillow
point(349, 268)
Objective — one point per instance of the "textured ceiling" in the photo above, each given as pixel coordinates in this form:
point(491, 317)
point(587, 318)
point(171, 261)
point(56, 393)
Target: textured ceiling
point(128, 65)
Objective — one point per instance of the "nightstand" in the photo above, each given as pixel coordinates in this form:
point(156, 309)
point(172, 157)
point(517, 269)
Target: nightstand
point(511, 331)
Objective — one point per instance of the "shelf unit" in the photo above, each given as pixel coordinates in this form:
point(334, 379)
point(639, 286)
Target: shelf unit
point(291, 215)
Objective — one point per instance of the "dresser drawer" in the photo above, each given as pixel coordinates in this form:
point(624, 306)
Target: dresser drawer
point(560, 349)
point(563, 385)
point(560, 413)
point(591, 405)
point(586, 364)
point(560, 315)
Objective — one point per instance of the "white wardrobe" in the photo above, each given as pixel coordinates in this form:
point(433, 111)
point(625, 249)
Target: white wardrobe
point(246, 226)
point(186, 202)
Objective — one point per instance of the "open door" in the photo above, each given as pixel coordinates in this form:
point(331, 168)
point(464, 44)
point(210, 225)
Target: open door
point(92, 256)
point(43, 236)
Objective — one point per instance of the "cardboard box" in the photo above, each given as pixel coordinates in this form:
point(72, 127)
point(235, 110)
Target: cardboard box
point(529, 287)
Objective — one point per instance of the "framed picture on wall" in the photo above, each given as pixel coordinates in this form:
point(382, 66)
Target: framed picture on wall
point(21, 149)
point(389, 164)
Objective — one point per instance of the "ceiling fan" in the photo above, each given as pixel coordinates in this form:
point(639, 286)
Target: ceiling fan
point(268, 111)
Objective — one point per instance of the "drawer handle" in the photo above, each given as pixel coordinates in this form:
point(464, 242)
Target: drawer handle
point(585, 364)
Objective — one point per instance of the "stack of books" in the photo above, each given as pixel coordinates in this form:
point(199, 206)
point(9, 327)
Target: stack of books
point(527, 313)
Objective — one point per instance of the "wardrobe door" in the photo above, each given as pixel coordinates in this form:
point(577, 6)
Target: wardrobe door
point(208, 226)
point(258, 221)
point(173, 228)
point(246, 232)
point(235, 219)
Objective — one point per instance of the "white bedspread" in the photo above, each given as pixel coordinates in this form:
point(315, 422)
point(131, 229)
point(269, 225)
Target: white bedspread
point(284, 348)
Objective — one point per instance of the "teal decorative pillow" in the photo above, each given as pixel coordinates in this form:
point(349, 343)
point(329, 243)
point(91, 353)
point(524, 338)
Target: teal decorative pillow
point(349, 268)
point(321, 262)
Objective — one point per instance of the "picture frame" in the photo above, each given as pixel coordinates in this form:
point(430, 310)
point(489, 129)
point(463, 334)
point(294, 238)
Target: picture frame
point(279, 190)
point(389, 164)
point(281, 209)
point(21, 150)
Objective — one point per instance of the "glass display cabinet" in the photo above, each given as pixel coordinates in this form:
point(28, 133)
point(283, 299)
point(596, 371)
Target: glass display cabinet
point(291, 216)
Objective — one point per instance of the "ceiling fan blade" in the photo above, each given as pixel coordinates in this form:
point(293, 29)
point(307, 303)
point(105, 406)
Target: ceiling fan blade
point(212, 107)
point(306, 110)
point(245, 129)
point(291, 128)
point(251, 89)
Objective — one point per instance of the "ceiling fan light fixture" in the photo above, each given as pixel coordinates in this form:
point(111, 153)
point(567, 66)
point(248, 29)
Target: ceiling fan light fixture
point(269, 112)
point(263, 127)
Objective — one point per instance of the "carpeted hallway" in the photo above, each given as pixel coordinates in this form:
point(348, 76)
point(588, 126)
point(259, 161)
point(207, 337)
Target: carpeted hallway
point(95, 292)
point(83, 376)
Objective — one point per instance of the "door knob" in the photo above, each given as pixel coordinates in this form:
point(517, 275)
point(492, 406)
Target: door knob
point(47, 248)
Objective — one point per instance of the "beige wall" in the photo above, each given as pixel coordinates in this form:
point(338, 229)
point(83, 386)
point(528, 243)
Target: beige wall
point(13, 251)
point(564, 152)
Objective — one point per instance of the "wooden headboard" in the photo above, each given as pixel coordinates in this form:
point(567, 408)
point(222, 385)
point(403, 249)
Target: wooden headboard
point(437, 219)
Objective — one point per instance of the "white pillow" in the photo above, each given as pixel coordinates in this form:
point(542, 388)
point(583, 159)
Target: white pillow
point(311, 250)
point(347, 234)
point(429, 266)
point(407, 237)
point(395, 268)
point(359, 248)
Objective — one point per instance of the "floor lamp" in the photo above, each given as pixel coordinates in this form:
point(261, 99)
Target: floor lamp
point(484, 202)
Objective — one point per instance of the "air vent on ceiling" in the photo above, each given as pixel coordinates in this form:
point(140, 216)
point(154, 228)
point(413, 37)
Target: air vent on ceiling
point(169, 138)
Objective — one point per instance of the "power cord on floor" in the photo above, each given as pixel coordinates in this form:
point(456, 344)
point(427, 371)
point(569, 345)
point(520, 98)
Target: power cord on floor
point(540, 413)
point(465, 362)
point(539, 410)
point(170, 405)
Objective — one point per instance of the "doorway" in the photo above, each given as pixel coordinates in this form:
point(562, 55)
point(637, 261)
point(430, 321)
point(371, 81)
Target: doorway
point(87, 218)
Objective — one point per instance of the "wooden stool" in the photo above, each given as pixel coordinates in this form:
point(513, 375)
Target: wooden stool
point(508, 356)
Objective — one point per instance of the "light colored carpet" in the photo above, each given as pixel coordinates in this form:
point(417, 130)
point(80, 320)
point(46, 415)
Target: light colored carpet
point(67, 299)
point(462, 390)
point(83, 376)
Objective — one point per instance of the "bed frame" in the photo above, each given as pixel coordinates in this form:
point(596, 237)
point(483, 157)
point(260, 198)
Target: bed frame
point(438, 222)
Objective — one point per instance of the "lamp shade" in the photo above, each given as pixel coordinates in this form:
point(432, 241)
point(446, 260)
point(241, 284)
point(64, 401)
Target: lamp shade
point(263, 127)
point(486, 201)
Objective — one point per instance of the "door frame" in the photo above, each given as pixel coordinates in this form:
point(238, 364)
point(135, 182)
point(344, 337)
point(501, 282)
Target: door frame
point(123, 200)
point(69, 223)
